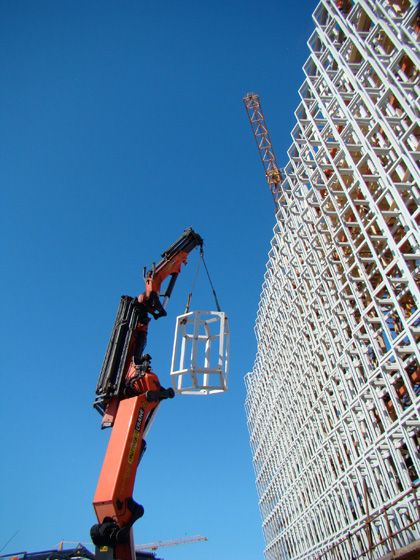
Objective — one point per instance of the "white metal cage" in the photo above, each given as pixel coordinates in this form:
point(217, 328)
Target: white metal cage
point(200, 356)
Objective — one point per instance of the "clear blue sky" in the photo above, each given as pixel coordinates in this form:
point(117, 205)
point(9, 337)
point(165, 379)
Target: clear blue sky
point(122, 124)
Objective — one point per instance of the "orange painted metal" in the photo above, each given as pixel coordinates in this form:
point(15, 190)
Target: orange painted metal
point(163, 270)
point(116, 481)
point(128, 411)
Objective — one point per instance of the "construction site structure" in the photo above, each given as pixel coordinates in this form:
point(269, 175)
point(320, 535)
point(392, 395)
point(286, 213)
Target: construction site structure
point(333, 403)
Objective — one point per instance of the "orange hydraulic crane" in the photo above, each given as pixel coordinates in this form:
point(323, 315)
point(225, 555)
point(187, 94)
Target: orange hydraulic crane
point(171, 542)
point(128, 396)
point(259, 128)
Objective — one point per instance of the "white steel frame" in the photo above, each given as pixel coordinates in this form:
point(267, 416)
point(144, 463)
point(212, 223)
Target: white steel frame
point(196, 369)
point(333, 403)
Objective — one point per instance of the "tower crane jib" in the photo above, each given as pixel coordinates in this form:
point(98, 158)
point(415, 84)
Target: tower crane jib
point(259, 127)
point(171, 542)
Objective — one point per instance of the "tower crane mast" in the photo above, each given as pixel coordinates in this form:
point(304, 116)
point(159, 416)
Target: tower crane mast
point(259, 127)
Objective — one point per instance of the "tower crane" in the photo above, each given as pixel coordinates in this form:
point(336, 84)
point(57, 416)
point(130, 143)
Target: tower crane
point(139, 547)
point(259, 127)
point(171, 542)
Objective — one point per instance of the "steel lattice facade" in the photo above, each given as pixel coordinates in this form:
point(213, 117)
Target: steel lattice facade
point(333, 401)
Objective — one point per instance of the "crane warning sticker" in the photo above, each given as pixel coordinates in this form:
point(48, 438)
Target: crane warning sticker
point(136, 436)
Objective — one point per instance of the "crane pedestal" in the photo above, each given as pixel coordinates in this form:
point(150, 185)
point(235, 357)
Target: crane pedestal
point(200, 357)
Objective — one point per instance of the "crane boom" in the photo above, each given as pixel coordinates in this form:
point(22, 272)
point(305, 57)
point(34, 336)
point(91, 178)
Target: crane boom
point(259, 127)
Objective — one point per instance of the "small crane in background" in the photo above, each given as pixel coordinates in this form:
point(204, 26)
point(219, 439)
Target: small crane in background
point(141, 547)
point(171, 542)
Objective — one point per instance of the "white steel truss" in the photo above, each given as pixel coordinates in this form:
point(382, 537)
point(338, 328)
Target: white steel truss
point(333, 401)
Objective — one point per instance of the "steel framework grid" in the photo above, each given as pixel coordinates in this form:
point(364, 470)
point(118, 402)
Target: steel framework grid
point(333, 402)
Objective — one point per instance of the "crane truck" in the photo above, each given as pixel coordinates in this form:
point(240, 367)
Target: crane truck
point(128, 395)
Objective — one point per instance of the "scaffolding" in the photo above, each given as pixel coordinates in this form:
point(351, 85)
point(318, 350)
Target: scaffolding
point(333, 403)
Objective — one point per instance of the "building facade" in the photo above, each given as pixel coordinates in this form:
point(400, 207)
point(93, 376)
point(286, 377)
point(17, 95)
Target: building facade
point(333, 403)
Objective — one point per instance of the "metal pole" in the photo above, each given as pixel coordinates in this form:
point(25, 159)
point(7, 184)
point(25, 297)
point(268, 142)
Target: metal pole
point(368, 527)
point(413, 488)
point(389, 531)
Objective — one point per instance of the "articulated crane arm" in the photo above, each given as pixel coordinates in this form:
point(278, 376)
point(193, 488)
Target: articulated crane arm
point(128, 396)
point(129, 334)
point(259, 128)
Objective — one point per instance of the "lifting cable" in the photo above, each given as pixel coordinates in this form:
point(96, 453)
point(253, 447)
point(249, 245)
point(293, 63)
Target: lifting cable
point(195, 277)
point(187, 307)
